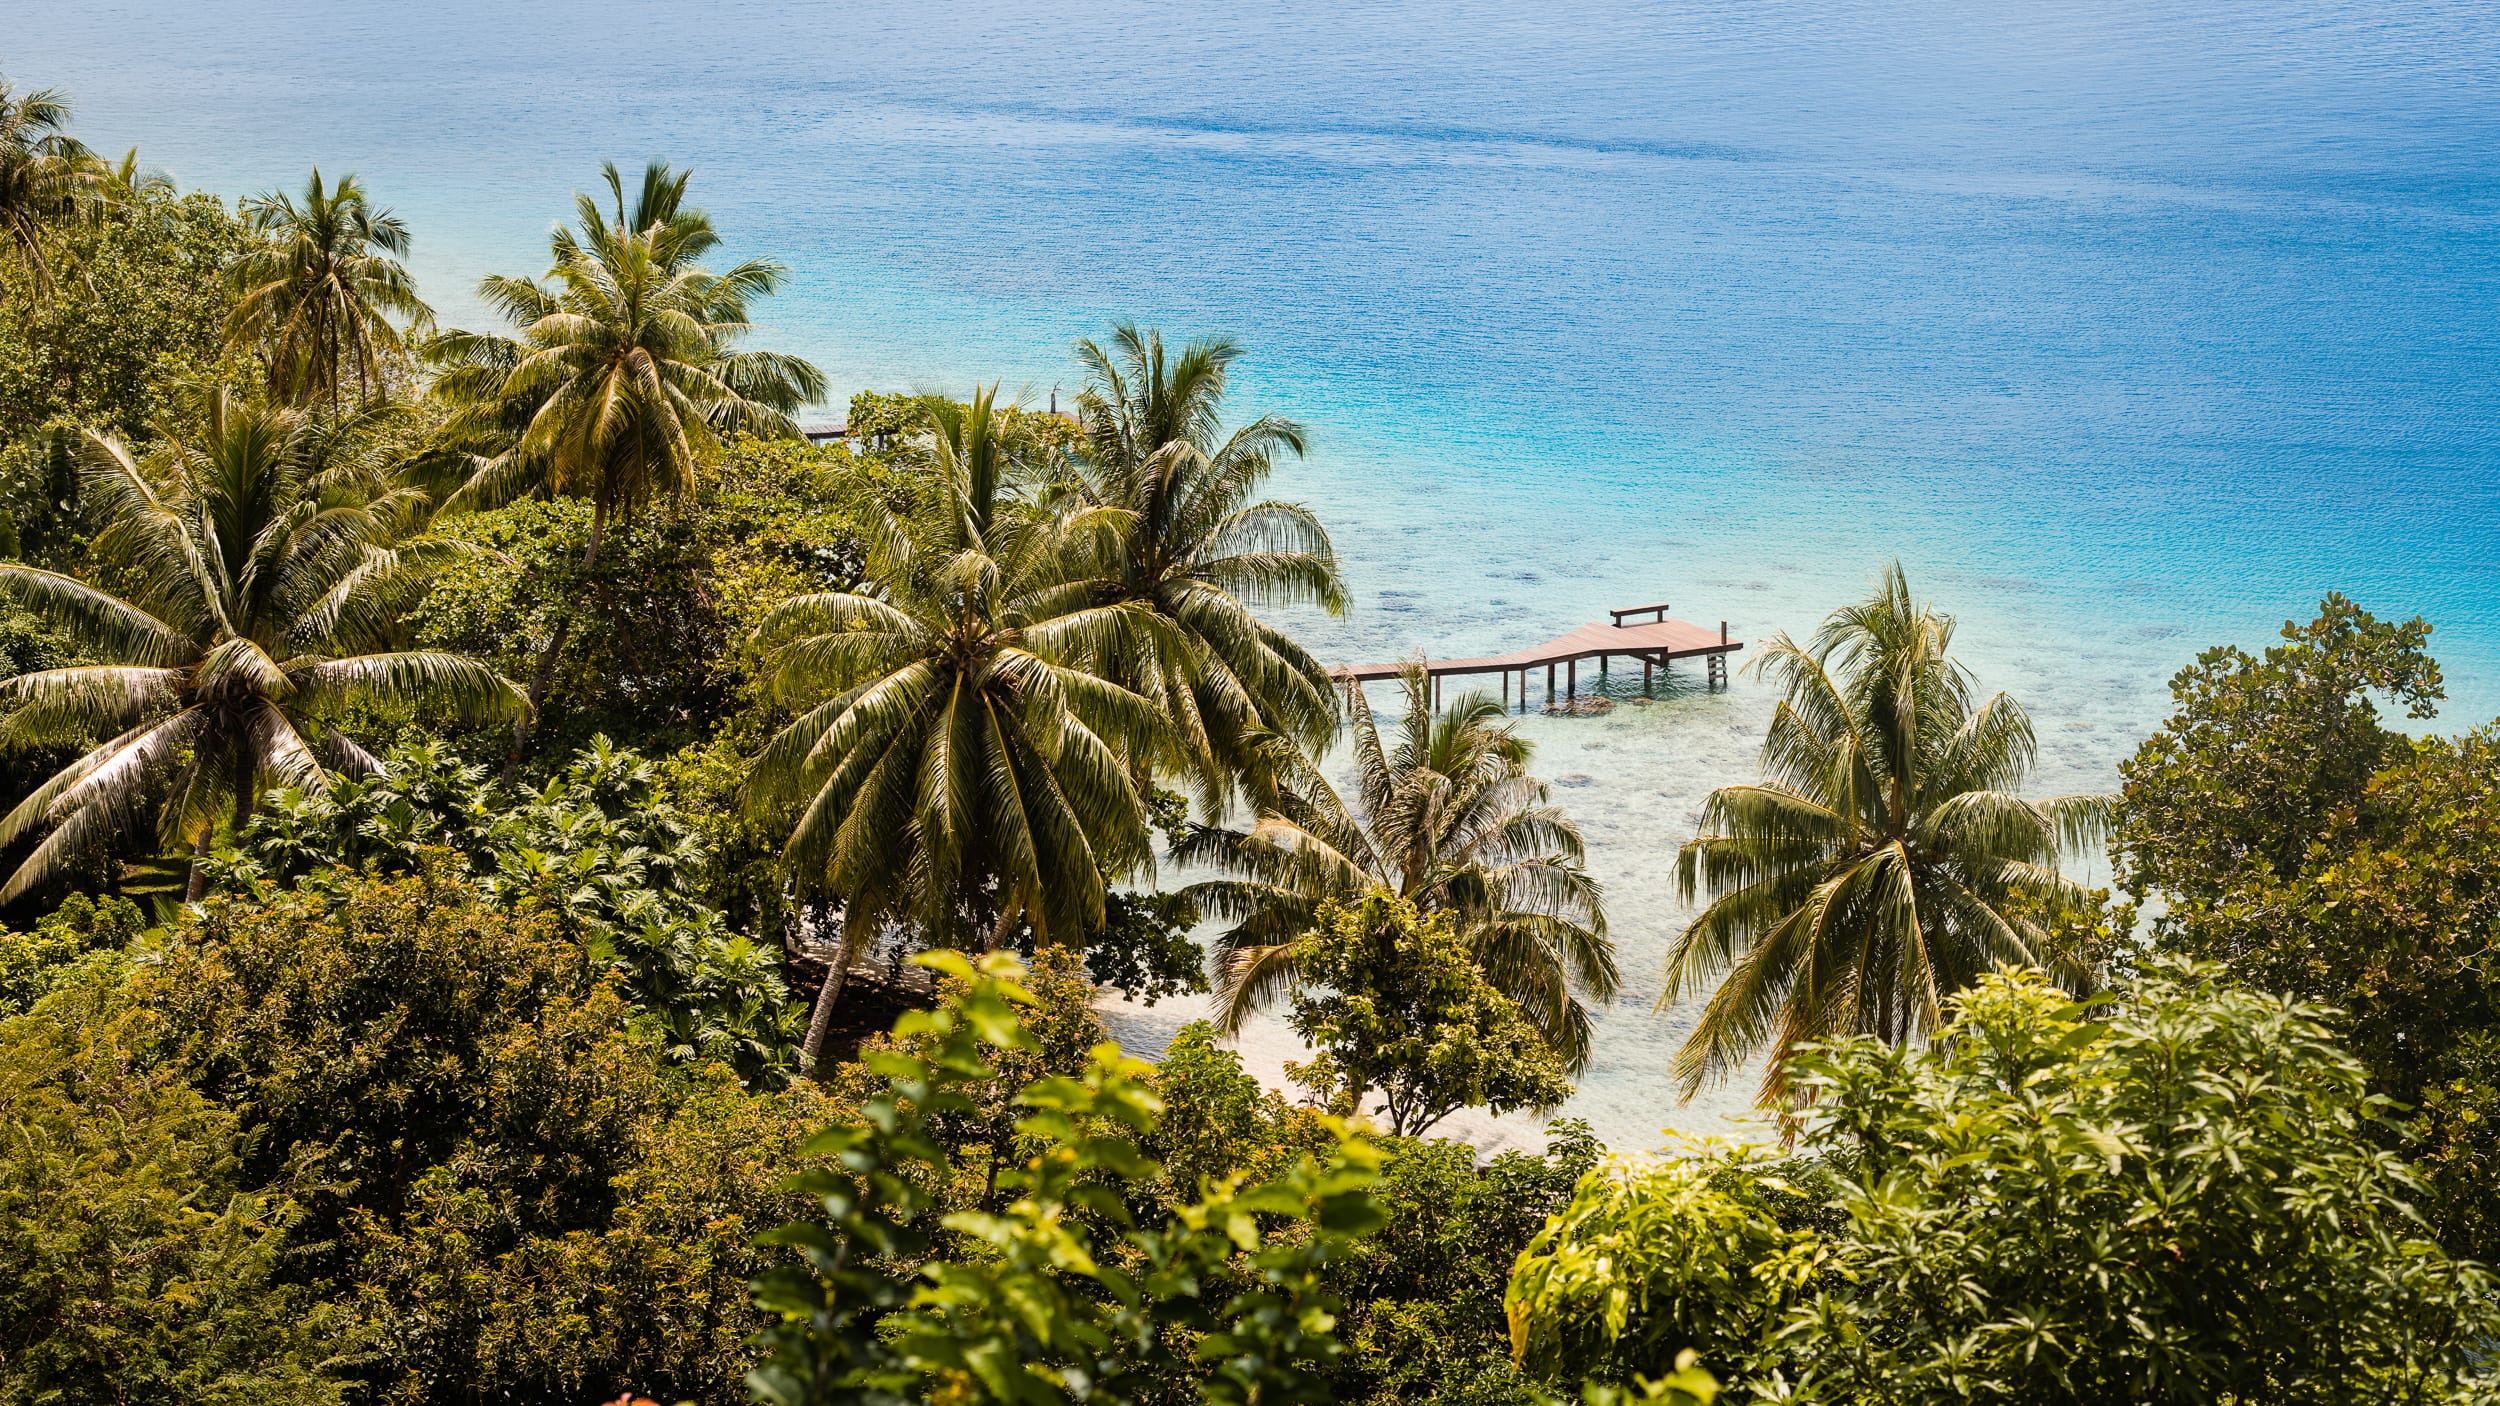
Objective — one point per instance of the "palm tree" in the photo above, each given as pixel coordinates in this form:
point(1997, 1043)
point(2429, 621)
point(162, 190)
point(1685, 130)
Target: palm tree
point(261, 565)
point(126, 182)
point(46, 177)
point(1884, 862)
point(1450, 819)
point(623, 372)
point(1201, 552)
point(624, 368)
point(315, 294)
point(958, 775)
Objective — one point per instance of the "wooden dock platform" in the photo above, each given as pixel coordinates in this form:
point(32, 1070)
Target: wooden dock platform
point(1655, 642)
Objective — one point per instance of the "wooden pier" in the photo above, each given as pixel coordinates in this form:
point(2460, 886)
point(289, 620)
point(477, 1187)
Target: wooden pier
point(1656, 642)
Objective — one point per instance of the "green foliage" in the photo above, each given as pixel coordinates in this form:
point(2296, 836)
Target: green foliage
point(1196, 545)
point(1144, 947)
point(1397, 1009)
point(505, 1183)
point(33, 965)
point(1423, 1320)
point(884, 424)
point(1062, 1295)
point(980, 1132)
point(137, 314)
point(2315, 852)
point(2182, 1201)
point(403, 1024)
point(656, 630)
point(882, 421)
point(132, 322)
point(599, 848)
point(136, 1262)
point(316, 292)
point(954, 769)
point(2456, 1142)
point(2263, 753)
point(623, 373)
point(47, 179)
point(653, 1296)
point(1656, 1256)
point(2390, 916)
point(1219, 1121)
point(646, 654)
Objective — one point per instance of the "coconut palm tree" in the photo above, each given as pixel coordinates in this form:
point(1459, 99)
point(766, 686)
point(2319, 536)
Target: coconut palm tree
point(1885, 861)
point(46, 177)
point(259, 565)
point(1202, 551)
point(1449, 818)
point(951, 771)
point(624, 369)
point(127, 183)
point(315, 294)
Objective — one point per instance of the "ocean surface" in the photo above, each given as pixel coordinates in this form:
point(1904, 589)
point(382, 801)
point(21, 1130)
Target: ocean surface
point(2128, 326)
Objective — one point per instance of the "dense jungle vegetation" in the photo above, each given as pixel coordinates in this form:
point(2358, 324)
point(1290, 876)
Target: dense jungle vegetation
point(529, 880)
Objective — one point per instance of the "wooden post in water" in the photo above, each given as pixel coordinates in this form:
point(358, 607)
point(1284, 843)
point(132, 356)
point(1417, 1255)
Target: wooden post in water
point(1646, 665)
point(1549, 685)
point(1571, 683)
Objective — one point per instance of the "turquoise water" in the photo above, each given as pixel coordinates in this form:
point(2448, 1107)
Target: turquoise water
point(2129, 327)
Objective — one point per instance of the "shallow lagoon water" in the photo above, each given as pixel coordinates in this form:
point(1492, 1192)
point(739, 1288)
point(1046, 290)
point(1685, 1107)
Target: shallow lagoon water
point(2129, 327)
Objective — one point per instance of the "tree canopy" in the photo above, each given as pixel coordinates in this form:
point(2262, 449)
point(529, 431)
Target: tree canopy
point(2179, 1197)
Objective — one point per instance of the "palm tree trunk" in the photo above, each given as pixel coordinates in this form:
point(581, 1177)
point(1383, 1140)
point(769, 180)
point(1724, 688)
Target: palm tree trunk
point(820, 1019)
point(194, 890)
point(1005, 925)
point(542, 677)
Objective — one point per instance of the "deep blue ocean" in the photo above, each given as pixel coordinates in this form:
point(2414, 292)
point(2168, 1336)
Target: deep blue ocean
point(2129, 326)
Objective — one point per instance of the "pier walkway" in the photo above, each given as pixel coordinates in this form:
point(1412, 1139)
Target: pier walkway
point(1655, 642)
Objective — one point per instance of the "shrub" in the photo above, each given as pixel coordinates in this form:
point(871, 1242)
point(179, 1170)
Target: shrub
point(1059, 1295)
point(600, 849)
point(136, 1261)
point(65, 943)
point(2183, 1201)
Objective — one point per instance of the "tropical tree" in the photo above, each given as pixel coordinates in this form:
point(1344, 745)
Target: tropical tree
point(260, 565)
point(950, 770)
point(1401, 1019)
point(314, 297)
point(1201, 551)
point(623, 371)
point(46, 176)
point(127, 183)
point(1885, 861)
point(1448, 819)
